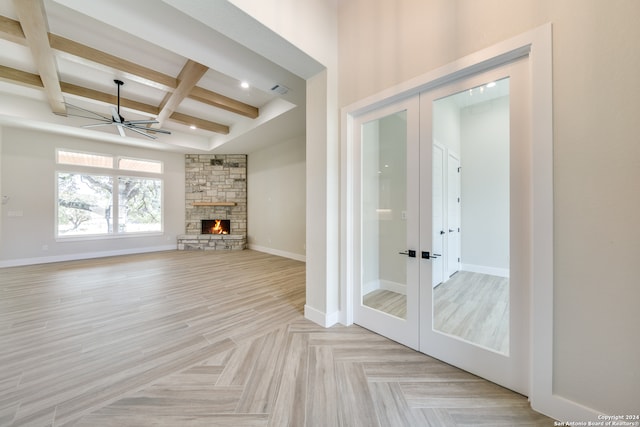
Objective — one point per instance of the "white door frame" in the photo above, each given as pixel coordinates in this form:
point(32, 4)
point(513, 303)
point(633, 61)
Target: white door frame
point(537, 46)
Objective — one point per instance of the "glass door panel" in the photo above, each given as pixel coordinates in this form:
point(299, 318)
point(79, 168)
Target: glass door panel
point(471, 301)
point(387, 208)
point(384, 210)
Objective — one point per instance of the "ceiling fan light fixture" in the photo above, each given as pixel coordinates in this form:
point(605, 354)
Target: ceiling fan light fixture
point(142, 127)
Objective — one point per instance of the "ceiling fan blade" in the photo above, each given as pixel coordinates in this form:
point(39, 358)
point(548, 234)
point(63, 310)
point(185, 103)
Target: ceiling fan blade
point(141, 132)
point(121, 130)
point(97, 124)
point(106, 119)
point(140, 122)
point(115, 115)
point(98, 116)
point(149, 129)
point(164, 131)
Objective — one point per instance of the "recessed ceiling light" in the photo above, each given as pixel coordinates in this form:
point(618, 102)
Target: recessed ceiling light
point(244, 85)
point(193, 127)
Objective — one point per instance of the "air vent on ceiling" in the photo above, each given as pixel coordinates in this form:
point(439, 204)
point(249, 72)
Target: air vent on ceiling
point(280, 89)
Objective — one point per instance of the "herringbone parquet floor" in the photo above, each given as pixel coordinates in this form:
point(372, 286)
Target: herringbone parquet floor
point(213, 339)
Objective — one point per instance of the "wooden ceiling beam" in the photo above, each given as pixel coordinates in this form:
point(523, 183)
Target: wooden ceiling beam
point(221, 101)
point(34, 25)
point(199, 123)
point(12, 30)
point(189, 76)
point(33, 80)
point(107, 98)
point(20, 77)
point(89, 56)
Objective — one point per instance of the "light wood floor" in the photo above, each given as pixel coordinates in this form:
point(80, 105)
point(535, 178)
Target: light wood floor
point(212, 339)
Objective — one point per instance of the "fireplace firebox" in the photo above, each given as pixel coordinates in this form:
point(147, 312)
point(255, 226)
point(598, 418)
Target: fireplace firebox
point(216, 226)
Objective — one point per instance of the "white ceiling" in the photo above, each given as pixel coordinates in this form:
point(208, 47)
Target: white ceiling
point(162, 36)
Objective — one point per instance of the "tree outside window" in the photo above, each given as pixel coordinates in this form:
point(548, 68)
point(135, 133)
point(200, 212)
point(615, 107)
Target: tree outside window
point(87, 202)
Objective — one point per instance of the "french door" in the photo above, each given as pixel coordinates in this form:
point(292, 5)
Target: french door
point(388, 193)
point(442, 204)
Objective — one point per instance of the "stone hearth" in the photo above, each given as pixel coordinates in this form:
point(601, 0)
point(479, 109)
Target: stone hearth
point(211, 242)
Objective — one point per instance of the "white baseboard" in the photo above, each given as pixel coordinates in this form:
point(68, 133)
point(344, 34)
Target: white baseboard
point(84, 255)
point(494, 271)
point(565, 410)
point(277, 252)
point(322, 319)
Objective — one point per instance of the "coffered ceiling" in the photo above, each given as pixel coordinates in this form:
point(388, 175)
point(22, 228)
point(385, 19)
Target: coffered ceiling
point(179, 62)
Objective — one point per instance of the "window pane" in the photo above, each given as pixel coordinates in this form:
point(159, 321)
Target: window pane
point(84, 159)
point(140, 165)
point(140, 204)
point(84, 204)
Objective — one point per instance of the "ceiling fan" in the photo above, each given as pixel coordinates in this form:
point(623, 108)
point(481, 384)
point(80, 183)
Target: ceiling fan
point(138, 126)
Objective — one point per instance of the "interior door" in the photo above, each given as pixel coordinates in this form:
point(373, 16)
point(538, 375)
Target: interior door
point(477, 319)
point(386, 296)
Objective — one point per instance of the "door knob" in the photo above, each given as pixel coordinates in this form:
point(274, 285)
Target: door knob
point(410, 253)
point(427, 255)
point(442, 231)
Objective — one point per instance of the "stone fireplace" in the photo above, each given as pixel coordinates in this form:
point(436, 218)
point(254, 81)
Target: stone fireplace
point(216, 190)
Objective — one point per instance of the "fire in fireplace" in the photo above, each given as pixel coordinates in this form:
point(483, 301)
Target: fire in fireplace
point(216, 226)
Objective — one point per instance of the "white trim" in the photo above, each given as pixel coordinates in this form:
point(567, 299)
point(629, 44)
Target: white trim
point(493, 271)
point(320, 318)
point(84, 255)
point(347, 244)
point(277, 252)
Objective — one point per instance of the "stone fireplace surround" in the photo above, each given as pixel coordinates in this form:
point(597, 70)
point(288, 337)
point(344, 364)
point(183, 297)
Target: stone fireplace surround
point(215, 188)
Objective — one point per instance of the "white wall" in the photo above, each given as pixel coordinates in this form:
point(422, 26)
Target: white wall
point(312, 26)
point(276, 188)
point(27, 165)
point(596, 156)
point(1, 191)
